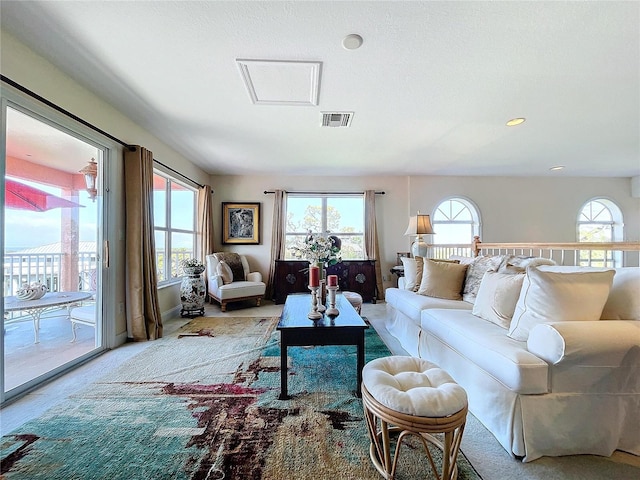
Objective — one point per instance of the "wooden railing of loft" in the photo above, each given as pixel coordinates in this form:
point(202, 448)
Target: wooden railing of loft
point(595, 254)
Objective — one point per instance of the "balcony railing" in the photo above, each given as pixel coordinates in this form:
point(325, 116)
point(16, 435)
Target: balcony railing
point(592, 254)
point(20, 268)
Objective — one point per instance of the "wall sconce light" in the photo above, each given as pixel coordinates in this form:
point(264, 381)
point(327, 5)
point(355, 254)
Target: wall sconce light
point(90, 173)
point(419, 225)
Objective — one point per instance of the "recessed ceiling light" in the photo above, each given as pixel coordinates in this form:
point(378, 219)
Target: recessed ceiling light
point(352, 41)
point(557, 167)
point(515, 121)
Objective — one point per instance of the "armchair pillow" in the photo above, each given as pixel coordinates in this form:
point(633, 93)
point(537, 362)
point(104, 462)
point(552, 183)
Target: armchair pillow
point(225, 272)
point(234, 261)
point(551, 296)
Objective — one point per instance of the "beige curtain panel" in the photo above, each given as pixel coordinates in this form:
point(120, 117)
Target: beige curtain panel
point(371, 248)
point(143, 313)
point(205, 226)
point(277, 237)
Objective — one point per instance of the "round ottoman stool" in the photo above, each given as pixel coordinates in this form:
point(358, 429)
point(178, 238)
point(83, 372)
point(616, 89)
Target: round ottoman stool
point(412, 396)
point(354, 299)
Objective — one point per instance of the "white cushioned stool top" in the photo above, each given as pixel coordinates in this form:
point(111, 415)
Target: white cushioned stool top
point(413, 386)
point(353, 297)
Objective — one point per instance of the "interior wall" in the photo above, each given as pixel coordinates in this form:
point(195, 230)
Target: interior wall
point(512, 209)
point(22, 65)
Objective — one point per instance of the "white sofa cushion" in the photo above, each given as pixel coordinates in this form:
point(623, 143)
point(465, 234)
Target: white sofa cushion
point(497, 297)
point(486, 344)
point(241, 289)
point(623, 302)
point(549, 295)
point(411, 304)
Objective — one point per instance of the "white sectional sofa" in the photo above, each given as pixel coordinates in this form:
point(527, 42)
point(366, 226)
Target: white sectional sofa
point(563, 385)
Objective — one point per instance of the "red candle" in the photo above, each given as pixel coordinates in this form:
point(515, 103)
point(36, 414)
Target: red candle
point(314, 276)
point(332, 280)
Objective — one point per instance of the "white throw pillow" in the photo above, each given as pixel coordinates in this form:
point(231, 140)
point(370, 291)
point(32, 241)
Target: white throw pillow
point(409, 265)
point(497, 297)
point(623, 302)
point(225, 272)
point(548, 296)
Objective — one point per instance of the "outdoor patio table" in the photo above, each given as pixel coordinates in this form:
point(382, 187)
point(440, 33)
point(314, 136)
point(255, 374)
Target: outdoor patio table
point(50, 301)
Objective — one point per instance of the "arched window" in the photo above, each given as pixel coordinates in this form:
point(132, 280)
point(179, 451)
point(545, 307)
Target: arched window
point(456, 220)
point(599, 220)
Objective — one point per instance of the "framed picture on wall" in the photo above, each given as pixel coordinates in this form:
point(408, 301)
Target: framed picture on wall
point(241, 223)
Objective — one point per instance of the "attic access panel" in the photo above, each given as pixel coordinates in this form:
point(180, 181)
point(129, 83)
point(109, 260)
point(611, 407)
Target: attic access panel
point(277, 82)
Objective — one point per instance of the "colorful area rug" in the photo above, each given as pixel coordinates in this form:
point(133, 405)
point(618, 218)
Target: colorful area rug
point(203, 404)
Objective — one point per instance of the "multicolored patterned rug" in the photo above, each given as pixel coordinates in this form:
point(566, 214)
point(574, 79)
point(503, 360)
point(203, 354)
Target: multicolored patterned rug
point(203, 404)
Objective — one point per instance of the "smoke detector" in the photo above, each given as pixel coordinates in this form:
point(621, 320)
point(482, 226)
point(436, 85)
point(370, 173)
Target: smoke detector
point(336, 119)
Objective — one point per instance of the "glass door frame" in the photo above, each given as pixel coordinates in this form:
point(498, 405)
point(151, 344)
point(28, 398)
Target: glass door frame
point(109, 165)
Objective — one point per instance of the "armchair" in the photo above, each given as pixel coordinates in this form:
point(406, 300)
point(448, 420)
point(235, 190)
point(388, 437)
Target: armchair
point(230, 280)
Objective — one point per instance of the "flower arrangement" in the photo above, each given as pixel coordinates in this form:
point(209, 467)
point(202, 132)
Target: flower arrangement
point(318, 249)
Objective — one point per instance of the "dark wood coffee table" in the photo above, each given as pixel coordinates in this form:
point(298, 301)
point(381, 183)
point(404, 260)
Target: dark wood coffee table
point(296, 330)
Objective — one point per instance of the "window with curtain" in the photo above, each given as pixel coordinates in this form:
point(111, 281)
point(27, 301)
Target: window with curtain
point(600, 220)
point(456, 220)
point(339, 215)
point(174, 219)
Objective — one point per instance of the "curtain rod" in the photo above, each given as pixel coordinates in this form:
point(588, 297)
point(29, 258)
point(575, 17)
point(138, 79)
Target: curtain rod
point(58, 108)
point(178, 173)
point(266, 192)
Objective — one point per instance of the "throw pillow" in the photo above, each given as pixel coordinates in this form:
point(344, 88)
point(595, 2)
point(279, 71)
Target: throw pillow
point(623, 302)
point(419, 271)
point(519, 263)
point(475, 272)
point(461, 259)
point(234, 261)
point(225, 272)
point(442, 280)
point(410, 270)
point(548, 296)
point(497, 297)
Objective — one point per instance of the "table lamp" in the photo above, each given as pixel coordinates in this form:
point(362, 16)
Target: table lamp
point(419, 225)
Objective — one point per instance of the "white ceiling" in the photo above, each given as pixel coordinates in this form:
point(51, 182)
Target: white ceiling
point(431, 87)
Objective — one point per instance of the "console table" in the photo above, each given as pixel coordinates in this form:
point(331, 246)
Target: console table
point(353, 276)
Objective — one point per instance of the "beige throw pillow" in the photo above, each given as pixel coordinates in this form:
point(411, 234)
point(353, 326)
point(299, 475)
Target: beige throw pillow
point(410, 271)
point(225, 272)
point(548, 296)
point(442, 280)
point(419, 272)
point(497, 297)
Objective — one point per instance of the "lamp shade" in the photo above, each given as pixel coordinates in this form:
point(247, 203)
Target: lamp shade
point(419, 225)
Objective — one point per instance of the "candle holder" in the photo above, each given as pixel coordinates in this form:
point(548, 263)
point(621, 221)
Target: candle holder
point(332, 311)
point(321, 296)
point(314, 314)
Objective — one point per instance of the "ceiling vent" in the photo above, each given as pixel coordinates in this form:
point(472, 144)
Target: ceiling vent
point(336, 119)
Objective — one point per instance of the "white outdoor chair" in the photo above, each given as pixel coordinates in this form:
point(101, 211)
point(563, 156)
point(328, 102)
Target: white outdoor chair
point(84, 315)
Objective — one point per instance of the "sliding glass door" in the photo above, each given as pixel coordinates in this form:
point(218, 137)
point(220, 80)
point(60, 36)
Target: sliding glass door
point(52, 249)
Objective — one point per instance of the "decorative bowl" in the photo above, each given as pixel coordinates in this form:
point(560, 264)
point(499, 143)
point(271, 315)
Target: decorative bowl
point(31, 292)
